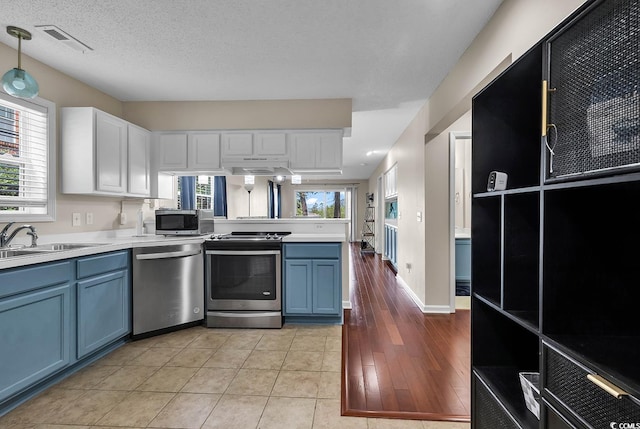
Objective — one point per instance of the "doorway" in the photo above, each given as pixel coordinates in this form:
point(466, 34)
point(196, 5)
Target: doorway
point(459, 213)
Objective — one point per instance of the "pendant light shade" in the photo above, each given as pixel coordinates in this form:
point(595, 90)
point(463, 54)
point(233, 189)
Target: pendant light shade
point(17, 82)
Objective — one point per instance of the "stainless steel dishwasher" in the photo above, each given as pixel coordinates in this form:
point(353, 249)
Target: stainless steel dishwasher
point(168, 287)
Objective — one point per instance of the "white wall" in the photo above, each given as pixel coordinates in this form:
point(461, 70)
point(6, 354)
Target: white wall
point(422, 151)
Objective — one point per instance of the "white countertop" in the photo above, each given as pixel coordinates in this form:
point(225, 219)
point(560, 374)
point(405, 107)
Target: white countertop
point(99, 245)
point(105, 242)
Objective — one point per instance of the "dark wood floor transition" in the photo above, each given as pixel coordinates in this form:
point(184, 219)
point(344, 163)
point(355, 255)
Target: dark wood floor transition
point(397, 361)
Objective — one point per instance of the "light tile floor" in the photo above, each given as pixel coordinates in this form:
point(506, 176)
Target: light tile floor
point(209, 378)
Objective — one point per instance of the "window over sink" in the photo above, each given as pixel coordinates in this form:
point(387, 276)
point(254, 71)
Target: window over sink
point(27, 159)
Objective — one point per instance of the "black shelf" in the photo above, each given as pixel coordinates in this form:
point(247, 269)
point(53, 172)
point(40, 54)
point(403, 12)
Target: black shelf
point(521, 255)
point(498, 340)
point(527, 190)
point(526, 319)
point(486, 227)
point(504, 382)
point(590, 269)
point(506, 131)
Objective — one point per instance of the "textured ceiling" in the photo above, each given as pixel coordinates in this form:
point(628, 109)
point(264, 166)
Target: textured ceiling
point(387, 55)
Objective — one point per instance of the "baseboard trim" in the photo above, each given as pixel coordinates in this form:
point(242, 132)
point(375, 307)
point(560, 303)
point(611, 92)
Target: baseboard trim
point(427, 309)
point(346, 305)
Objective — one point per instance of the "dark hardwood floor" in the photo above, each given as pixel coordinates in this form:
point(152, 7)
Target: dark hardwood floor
point(397, 361)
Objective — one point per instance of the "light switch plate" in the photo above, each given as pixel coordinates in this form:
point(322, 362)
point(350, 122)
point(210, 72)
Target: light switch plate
point(76, 219)
point(89, 220)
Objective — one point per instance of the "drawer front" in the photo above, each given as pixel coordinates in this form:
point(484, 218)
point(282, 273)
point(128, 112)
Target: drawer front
point(553, 419)
point(102, 263)
point(488, 413)
point(24, 279)
point(313, 250)
point(567, 382)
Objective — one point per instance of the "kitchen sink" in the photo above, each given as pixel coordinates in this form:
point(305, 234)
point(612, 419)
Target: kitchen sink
point(63, 246)
point(10, 253)
point(44, 248)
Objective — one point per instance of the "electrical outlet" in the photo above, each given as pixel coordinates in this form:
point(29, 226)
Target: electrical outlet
point(76, 220)
point(123, 218)
point(89, 220)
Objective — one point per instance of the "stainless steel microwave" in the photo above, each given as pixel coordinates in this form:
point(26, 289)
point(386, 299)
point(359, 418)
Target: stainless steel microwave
point(184, 222)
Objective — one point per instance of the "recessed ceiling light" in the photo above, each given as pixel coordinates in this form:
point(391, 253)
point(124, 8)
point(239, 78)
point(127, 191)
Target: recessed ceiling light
point(371, 152)
point(364, 164)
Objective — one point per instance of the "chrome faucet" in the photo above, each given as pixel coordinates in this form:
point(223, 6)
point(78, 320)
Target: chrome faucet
point(5, 240)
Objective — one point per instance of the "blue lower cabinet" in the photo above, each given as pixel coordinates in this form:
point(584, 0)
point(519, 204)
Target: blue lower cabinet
point(103, 311)
point(54, 314)
point(463, 259)
point(298, 289)
point(35, 337)
point(313, 282)
point(327, 292)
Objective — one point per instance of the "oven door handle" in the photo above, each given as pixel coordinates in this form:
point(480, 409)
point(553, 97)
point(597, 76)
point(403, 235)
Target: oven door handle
point(166, 255)
point(243, 252)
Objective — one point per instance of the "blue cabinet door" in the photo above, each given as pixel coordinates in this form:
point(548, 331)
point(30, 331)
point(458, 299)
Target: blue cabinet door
point(391, 244)
point(326, 286)
point(35, 337)
point(463, 259)
point(103, 310)
point(298, 282)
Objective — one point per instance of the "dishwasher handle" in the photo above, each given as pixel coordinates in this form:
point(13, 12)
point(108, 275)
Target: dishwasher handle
point(167, 255)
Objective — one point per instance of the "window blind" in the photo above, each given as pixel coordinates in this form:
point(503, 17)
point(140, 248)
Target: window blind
point(24, 156)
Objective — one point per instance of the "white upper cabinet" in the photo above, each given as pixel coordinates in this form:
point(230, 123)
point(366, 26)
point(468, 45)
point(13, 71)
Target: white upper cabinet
point(270, 144)
point(139, 160)
point(244, 151)
point(111, 153)
point(237, 144)
point(187, 151)
point(315, 150)
point(253, 144)
point(391, 182)
point(203, 151)
point(103, 154)
point(171, 151)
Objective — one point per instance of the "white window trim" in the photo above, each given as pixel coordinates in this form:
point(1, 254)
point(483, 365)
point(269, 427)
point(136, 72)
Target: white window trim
point(50, 215)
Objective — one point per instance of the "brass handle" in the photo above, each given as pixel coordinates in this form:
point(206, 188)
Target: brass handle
point(607, 386)
point(545, 91)
point(545, 106)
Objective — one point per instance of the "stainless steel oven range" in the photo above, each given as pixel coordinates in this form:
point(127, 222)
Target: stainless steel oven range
point(243, 280)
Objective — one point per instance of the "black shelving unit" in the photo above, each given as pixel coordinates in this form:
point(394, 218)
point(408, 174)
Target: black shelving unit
point(368, 241)
point(554, 276)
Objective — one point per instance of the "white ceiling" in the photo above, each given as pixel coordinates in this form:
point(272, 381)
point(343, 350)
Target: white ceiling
point(387, 55)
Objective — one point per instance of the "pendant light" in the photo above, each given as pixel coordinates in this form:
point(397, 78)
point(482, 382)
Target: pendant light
point(17, 82)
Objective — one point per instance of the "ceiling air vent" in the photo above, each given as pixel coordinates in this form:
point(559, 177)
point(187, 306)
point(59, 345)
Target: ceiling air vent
point(65, 38)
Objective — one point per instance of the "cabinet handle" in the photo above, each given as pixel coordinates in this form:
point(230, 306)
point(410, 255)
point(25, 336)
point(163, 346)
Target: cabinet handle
point(607, 386)
point(545, 106)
